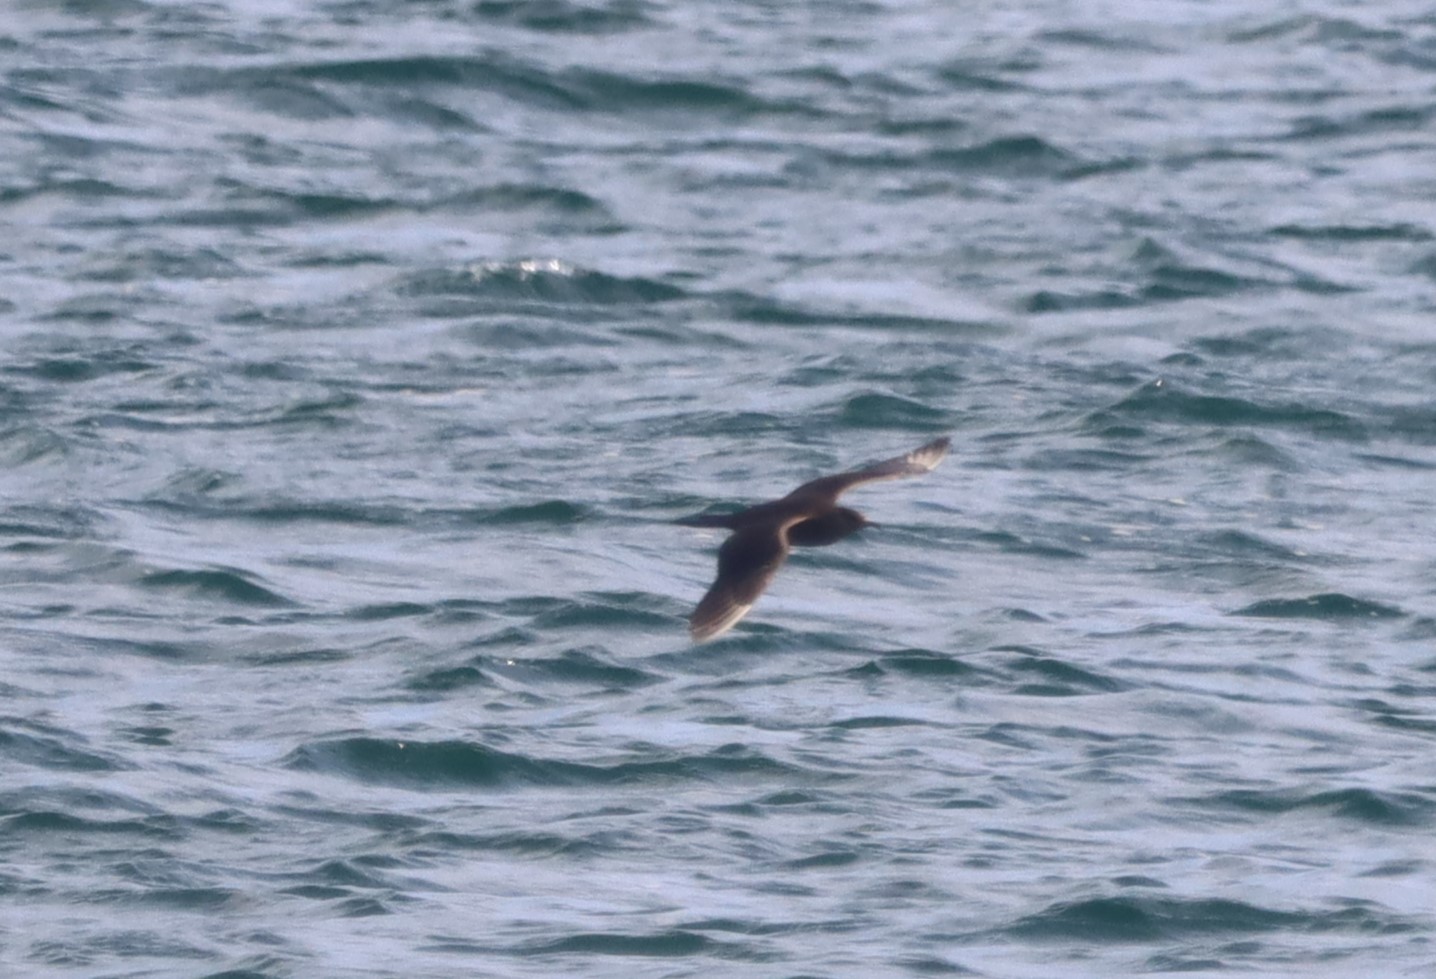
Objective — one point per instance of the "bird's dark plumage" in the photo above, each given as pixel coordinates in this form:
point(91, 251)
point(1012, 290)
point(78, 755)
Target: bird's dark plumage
point(807, 517)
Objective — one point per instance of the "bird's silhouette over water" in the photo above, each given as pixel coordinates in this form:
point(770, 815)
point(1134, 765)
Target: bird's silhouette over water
point(762, 535)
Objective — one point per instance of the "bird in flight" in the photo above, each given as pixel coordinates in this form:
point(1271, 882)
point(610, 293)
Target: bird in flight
point(763, 534)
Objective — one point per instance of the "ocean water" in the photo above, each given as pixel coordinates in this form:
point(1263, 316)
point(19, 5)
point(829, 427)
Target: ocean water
point(356, 358)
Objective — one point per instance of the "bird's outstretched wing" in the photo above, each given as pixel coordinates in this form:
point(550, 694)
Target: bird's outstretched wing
point(747, 561)
point(923, 459)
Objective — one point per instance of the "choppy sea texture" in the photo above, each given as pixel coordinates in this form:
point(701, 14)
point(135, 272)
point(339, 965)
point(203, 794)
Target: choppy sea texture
point(357, 357)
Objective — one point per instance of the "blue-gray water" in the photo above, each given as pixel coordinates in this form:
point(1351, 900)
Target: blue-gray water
point(357, 356)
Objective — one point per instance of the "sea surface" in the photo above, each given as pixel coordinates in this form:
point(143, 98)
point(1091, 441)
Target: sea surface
point(356, 358)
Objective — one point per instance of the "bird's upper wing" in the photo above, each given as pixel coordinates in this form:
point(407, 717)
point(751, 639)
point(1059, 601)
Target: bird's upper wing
point(921, 460)
point(747, 561)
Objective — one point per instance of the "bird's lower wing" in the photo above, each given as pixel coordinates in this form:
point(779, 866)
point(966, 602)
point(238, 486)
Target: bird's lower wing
point(747, 561)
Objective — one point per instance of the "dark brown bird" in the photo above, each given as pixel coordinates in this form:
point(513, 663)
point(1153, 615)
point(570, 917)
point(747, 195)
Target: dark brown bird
point(762, 535)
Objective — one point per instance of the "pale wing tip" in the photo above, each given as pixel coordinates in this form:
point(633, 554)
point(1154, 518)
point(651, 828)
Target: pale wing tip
point(926, 457)
point(711, 628)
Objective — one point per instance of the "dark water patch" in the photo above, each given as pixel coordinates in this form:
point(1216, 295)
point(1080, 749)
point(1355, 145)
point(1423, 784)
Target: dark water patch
point(1178, 963)
point(195, 483)
point(1425, 267)
point(1010, 156)
point(223, 821)
point(1053, 301)
point(332, 205)
point(788, 798)
point(365, 907)
point(1138, 880)
point(1328, 605)
point(80, 951)
point(1010, 543)
point(1110, 38)
point(385, 611)
point(258, 206)
point(23, 445)
point(1252, 450)
point(448, 764)
point(37, 822)
point(1268, 343)
point(1132, 919)
point(1348, 233)
point(442, 845)
point(230, 585)
point(926, 663)
point(1394, 462)
point(100, 308)
point(453, 678)
point(876, 410)
point(1008, 736)
point(1421, 628)
point(589, 666)
point(72, 799)
point(569, 90)
point(532, 284)
point(975, 74)
point(59, 521)
point(43, 748)
point(149, 735)
point(343, 874)
point(557, 512)
point(507, 637)
point(821, 371)
point(724, 425)
point(564, 16)
point(316, 892)
point(1414, 424)
point(274, 91)
point(1368, 806)
point(1385, 121)
point(1089, 460)
point(526, 606)
point(1163, 401)
point(768, 311)
point(822, 861)
point(1112, 166)
point(68, 370)
point(1243, 545)
point(332, 410)
point(560, 201)
point(1416, 720)
point(611, 92)
point(667, 944)
point(504, 76)
point(182, 899)
point(1336, 32)
point(299, 655)
point(877, 721)
point(316, 511)
point(606, 612)
point(1058, 679)
point(1029, 737)
point(1396, 868)
point(311, 807)
point(428, 764)
point(1159, 283)
point(932, 965)
point(80, 189)
point(144, 264)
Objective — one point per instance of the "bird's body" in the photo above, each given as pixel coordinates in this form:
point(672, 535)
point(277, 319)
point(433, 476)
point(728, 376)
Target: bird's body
point(762, 535)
